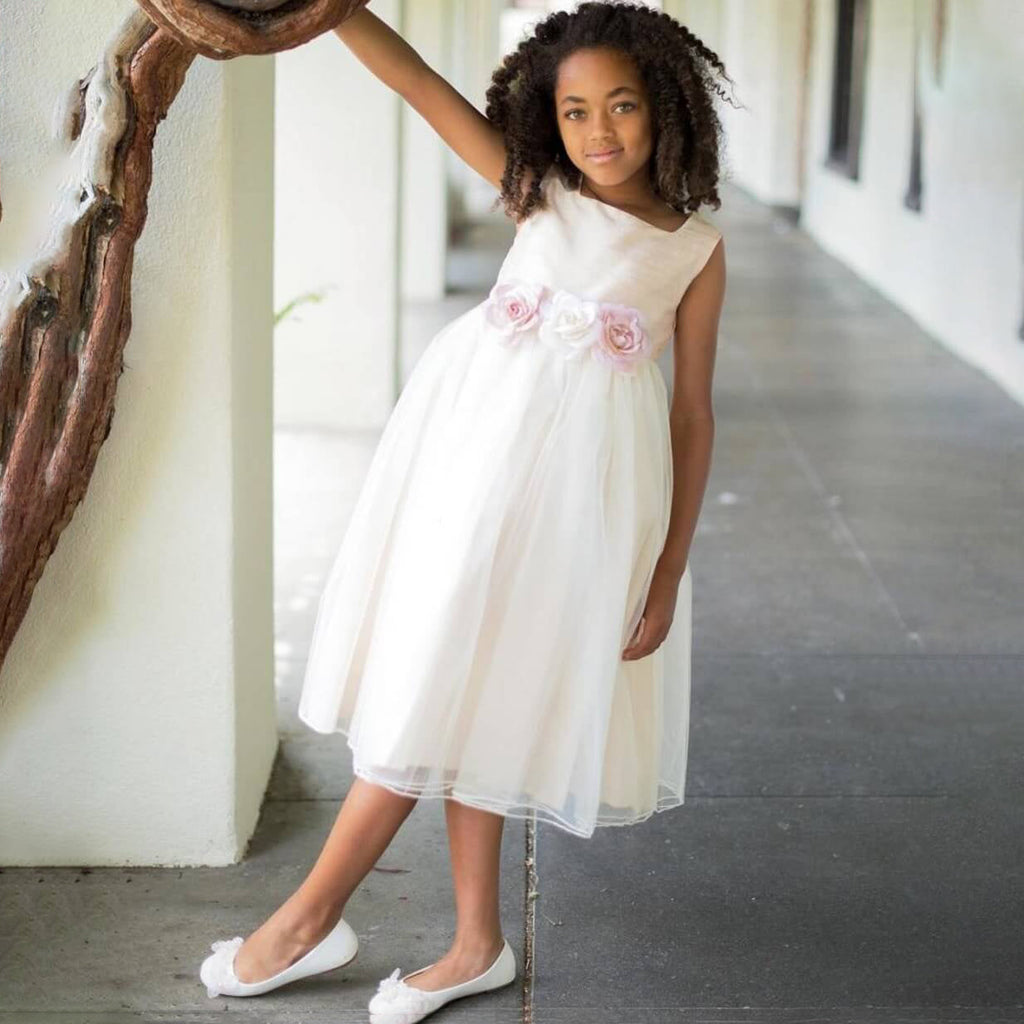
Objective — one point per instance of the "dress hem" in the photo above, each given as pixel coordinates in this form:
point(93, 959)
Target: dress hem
point(508, 809)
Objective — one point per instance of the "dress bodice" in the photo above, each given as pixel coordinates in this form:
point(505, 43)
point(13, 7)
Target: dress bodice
point(597, 251)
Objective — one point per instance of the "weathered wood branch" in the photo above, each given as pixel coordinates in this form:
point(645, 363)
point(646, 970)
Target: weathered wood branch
point(229, 28)
point(65, 319)
point(66, 316)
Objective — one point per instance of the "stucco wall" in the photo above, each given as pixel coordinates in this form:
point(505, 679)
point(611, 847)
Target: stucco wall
point(137, 703)
point(956, 266)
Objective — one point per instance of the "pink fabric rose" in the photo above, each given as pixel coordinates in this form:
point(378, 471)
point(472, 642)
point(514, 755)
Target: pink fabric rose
point(514, 307)
point(623, 340)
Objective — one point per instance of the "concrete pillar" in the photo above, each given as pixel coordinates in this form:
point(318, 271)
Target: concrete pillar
point(475, 31)
point(702, 17)
point(338, 167)
point(762, 44)
point(424, 236)
point(137, 703)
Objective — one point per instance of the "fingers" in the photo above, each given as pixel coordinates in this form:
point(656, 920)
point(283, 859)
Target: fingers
point(639, 645)
point(648, 636)
point(634, 653)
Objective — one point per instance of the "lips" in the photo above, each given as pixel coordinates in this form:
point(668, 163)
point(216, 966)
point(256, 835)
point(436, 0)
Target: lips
point(604, 153)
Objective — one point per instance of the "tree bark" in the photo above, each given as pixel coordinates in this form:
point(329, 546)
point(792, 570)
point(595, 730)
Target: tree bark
point(229, 28)
point(66, 317)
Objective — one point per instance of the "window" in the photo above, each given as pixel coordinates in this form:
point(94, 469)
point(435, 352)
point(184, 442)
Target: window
point(848, 86)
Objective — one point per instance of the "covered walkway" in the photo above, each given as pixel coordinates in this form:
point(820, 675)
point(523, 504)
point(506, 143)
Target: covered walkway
point(850, 845)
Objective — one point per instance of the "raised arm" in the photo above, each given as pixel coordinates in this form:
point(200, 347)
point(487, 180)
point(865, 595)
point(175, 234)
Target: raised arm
point(448, 112)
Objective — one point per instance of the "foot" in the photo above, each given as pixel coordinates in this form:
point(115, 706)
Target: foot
point(456, 966)
point(277, 944)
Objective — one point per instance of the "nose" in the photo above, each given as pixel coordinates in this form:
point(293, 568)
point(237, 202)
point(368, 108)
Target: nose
point(602, 136)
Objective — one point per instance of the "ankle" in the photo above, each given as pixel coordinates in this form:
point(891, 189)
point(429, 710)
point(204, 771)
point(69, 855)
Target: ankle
point(309, 921)
point(477, 947)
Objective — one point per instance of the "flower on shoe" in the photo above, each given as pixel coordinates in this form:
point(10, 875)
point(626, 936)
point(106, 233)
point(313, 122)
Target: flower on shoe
point(515, 306)
point(217, 971)
point(394, 991)
point(571, 324)
point(622, 340)
point(228, 944)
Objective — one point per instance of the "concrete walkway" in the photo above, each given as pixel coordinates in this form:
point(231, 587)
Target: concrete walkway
point(851, 845)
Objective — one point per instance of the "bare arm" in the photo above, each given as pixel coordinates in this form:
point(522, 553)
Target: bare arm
point(692, 426)
point(467, 131)
point(691, 417)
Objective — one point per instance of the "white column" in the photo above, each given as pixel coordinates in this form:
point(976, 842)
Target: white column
point(476, 49)
point(424, 235)
point(703, 18)
point(761, 44)
point(336, 218)
point(137, 703)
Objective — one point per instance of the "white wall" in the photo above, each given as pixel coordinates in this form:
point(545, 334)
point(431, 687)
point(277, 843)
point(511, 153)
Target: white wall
point(955, 266)
point(137, 703)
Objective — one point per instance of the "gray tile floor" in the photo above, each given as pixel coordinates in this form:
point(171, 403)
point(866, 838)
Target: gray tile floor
point(850, 849)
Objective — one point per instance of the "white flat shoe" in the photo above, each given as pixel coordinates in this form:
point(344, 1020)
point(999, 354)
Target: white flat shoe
point(398, 1003)
point(337, 948)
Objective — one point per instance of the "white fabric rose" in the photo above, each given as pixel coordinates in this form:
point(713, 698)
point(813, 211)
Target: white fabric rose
point(571, 324)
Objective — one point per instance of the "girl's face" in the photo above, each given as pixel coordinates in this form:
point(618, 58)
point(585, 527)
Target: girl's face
point(603, 115)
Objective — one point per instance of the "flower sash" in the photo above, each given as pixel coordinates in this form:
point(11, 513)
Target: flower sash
point(609, 332)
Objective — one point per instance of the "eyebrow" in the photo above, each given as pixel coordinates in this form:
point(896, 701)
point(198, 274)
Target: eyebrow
point(614, 92)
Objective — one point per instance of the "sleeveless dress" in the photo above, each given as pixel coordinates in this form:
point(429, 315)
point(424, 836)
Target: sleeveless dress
point(496, 563)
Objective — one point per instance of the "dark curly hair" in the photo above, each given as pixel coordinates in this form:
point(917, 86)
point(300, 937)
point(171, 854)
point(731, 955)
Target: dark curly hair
point(678, 71)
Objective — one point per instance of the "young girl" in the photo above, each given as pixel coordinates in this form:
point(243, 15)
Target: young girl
point(496, 627)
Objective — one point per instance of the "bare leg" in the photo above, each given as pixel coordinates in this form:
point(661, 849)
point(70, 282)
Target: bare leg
point(474, 839)
point(369, 817)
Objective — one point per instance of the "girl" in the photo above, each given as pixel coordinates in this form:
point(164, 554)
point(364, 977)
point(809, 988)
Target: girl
point(496, 627)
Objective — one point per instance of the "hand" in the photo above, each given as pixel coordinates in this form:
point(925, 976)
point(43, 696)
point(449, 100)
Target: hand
point(658, 613)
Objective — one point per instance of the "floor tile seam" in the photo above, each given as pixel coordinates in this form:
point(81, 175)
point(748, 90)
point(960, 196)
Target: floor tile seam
point(836, 517)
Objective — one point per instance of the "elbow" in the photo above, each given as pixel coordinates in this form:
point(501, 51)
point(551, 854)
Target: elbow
point(693, 419)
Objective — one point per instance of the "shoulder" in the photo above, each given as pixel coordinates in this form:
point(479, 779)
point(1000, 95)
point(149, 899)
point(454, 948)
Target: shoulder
point(703, 275)
point(703, 230)
point(704, 239)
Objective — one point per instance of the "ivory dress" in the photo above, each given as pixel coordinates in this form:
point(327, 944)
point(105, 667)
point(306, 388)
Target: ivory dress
point(468, 639)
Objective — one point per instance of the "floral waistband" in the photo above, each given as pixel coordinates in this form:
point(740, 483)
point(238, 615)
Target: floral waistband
point(609, 332)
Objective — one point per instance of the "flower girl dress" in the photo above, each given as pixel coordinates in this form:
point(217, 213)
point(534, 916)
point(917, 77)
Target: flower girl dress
point(469, 636)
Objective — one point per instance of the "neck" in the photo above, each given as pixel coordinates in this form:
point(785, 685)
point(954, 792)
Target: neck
point(634, 191)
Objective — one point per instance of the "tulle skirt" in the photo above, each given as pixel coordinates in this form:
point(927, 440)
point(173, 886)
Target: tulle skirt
point(468, 640)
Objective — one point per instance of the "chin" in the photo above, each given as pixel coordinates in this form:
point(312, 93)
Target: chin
point(609, 175)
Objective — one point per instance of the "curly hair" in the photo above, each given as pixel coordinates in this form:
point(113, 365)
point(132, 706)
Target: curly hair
point(678, 71)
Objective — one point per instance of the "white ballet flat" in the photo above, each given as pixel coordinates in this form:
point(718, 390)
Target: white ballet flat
point(337, 948)
point(398, 1003)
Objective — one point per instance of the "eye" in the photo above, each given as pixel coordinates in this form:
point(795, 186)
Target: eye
point(576, 110)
